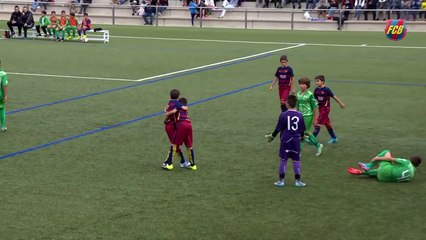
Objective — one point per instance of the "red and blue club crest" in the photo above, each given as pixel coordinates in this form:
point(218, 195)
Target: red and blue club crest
point(395, 29)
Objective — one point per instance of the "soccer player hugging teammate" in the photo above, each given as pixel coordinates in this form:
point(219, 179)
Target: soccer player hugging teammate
point(292, 128)
point(183, 133)
point(171, 123)
point(323, 94)
point(286, 84)
point(308, 106)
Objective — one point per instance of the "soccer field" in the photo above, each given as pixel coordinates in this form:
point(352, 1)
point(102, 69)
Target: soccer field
point(82, 155)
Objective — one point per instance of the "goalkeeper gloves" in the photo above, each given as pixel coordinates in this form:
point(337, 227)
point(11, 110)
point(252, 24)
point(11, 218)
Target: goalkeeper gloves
point(269, 137)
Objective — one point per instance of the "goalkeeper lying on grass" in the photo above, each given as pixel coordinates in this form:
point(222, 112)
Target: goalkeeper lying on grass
point(389, 169)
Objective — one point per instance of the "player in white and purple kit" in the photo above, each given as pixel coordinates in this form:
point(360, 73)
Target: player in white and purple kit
point(292, 128)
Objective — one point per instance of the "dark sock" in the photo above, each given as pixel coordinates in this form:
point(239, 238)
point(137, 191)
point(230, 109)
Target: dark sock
point(317, 130)
point(283, 108)
point(191, 156)
point(297, 176)
point(282, 176)
point(331, 132)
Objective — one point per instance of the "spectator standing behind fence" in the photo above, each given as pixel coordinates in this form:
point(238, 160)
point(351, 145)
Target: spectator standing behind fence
point(149, 12)
point(346, 5)
point(406, 4)
point(359, 4)
point(228, 5)
point(333, 7)
point(382, 5)
point(72, 4)
point(322, 6)
point(210, 6)
point(422, 10)
point(394, 4)
point(371, 4)
point(311, 4)
point(192, 11)
point(163, 4)
point(84, 5)
point(135, 6)
point(415, 5)
point(15, 21)
point(27, 21)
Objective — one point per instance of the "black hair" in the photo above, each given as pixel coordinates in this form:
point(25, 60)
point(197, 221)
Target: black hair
point(183, 100)
point(85, 14)
point(320, 77)
point(44, 12)
point(174, 94)
point(291, 101)
point(416, 160)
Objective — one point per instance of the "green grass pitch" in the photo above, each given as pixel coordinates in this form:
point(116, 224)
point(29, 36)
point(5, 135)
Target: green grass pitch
point(108, 184)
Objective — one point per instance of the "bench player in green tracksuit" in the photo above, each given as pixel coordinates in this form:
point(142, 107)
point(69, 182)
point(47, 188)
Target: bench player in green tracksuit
point(3, 98)
point(389, 169)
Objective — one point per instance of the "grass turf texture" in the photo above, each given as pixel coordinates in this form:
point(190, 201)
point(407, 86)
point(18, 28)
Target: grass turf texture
point(109, 185)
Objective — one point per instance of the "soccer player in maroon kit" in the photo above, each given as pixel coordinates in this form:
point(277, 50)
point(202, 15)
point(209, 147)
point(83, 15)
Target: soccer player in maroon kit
point(170, 124)
point(183, 135)
point(322, 95)
point(286, 83)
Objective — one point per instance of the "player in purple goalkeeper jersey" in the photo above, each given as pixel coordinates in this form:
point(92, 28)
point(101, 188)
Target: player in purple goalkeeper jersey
point(292, 128)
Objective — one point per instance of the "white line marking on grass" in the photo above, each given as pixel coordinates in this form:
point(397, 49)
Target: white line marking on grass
point(219, 63)
point(274, 43)
point(65, 76)
point(202, 40)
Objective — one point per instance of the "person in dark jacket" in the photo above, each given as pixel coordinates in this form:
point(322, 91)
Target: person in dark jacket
point(27, 21)
point(15, 21)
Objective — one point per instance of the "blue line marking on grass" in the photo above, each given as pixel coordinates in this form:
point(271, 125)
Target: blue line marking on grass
point(104, 128)
point(135, 85)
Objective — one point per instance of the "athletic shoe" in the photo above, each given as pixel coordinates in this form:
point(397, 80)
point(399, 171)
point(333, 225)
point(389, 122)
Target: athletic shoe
point(279, 183)
point(4, 129)
point(167, 166)
point(333, 140)
point(299, 183)
point(354, 171)
point(319, 149)
point(185, 164)
point(194, 168)
point(78, 38)
point(363, 166)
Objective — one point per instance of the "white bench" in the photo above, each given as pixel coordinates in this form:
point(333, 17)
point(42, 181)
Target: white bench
point(103, 36)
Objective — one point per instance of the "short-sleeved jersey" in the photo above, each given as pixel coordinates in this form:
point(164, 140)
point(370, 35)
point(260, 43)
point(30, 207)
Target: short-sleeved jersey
point(3, 82)
point(173, 104)
point(291, 125)
point(323, 95)
point(399, 171)
point(306, 103)
point(284, 75)
point(183, 115)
